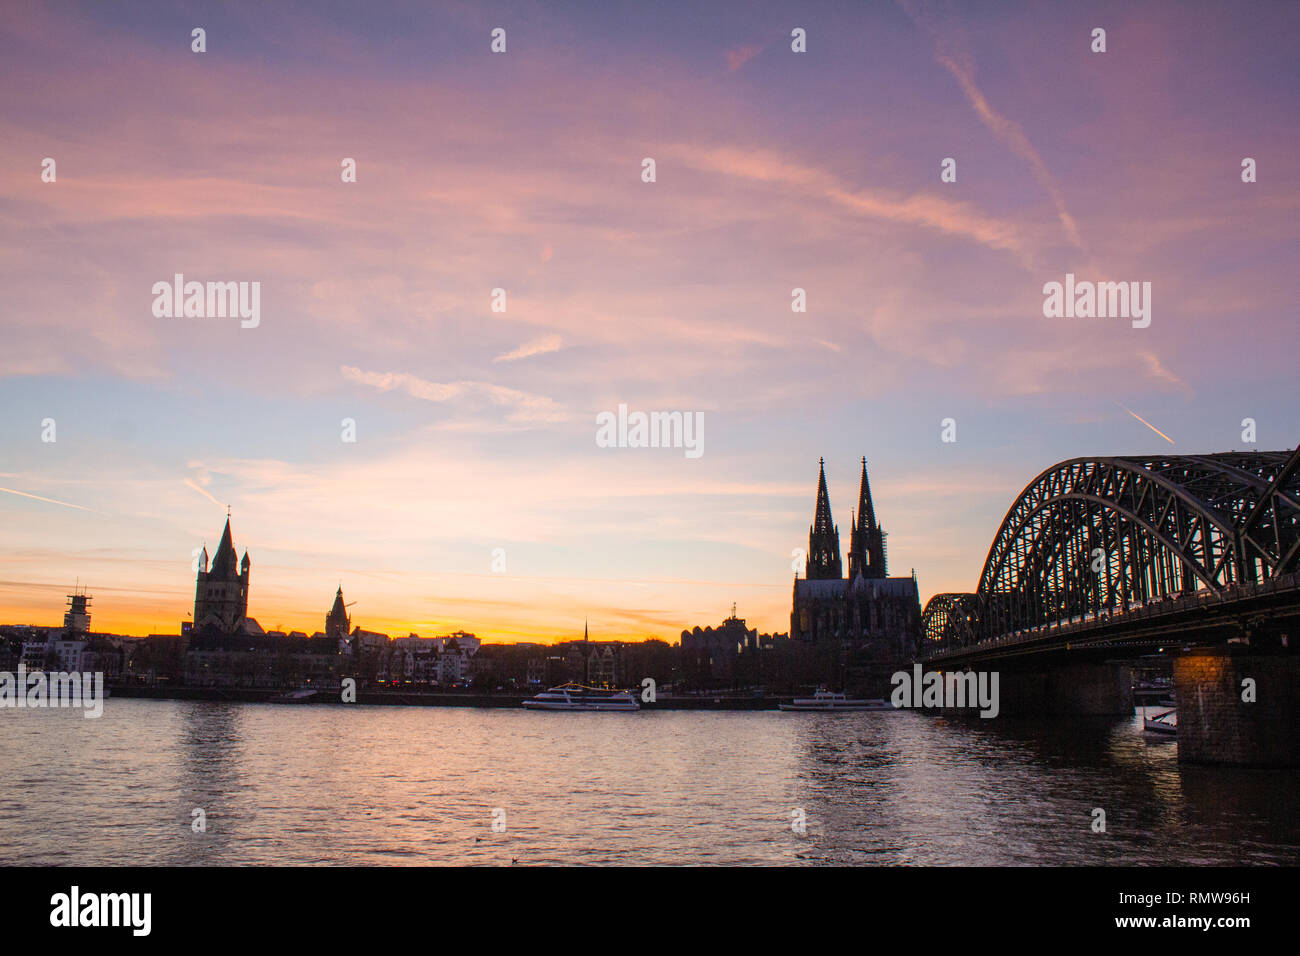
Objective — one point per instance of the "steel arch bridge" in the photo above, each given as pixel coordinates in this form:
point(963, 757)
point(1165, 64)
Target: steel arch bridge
point(1096, 537)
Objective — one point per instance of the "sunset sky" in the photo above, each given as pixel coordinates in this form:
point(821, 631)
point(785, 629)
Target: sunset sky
point(476, 430)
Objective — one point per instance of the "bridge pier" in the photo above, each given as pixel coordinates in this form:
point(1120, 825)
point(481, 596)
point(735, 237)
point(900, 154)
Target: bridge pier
point(1087, 690)
point(1216, 726)
point(1095, 690)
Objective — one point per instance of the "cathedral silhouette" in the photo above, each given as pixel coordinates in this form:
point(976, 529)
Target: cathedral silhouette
point(865, 610)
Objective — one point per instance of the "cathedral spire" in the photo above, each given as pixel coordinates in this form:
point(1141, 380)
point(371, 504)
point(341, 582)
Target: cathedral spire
point(866, 512)
point(823, 537)
point(822, 522)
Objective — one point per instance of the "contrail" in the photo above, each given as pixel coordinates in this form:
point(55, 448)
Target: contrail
point(204, 492)
point(1147, 424)
point(951, 52)
point(50, 500)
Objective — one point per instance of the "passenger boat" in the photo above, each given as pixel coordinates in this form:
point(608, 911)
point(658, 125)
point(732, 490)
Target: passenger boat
point(826, 700)
point(579, 697)
point(1165, 722)
point(302, 695)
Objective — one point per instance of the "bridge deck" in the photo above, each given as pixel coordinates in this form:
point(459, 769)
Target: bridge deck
point(1187, 620)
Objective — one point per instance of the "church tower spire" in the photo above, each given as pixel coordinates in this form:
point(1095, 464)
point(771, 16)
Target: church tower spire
point(223, 563)
point(823, 537)
point(867, 542)
point(221, 589)
point(337, 622)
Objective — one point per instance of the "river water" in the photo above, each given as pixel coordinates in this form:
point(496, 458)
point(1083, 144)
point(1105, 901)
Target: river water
point(413, 785)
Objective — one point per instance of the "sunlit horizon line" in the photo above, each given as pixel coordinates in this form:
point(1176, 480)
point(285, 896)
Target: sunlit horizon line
point(136, 627)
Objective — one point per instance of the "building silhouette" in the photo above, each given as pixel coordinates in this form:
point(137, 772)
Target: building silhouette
point(716, 654)
point(221, 592)
point(865, 611)
point(76, 620)
point(337, 622)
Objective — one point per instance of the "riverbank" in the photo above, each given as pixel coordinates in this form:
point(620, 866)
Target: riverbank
point(392, 698)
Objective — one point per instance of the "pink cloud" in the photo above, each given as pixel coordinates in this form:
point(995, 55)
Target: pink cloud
point(739, 56)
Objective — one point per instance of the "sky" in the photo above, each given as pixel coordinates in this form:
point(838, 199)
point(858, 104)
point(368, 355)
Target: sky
point(475, 495)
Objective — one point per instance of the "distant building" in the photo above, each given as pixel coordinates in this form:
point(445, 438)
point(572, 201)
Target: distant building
point(77, 618)
point(369, 655)
point(453, 662)
point(544, 669)
point(337, 622)
point(465, 641)
point(602, 666)
point(67, 649)
point(866, 610)
point(263, 661)
point(221, 592)
point(365, 640)
point(714, 653)
point(227, 648)
point(157, 658)
point(413, 659)
point(711, 652)
point(36, 654)
point(585, 662)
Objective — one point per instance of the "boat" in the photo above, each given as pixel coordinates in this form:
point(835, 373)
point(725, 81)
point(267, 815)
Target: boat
point(826, 700)
point(1165, 722)
point(303, 695)
point(573, 696)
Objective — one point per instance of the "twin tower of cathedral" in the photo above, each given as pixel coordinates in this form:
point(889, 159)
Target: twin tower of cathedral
point(866, 540)
point(865, 610)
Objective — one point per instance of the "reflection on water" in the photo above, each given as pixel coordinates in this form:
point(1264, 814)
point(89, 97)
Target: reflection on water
point(394, 785)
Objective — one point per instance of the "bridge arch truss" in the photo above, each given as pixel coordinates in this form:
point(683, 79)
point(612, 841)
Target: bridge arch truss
point(1093, 536)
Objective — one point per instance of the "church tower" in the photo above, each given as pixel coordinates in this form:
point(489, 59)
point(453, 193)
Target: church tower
point(337, 622)
point(221, 592)
point(823, 537)
point(866, 541)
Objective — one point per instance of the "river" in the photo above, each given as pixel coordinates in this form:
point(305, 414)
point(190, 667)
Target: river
point(333, 784)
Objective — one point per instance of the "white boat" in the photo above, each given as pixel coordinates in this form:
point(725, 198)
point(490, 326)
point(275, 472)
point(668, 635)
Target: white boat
point(579, 697)
point(826, 700)
point(302, 695)
point(1165, 722)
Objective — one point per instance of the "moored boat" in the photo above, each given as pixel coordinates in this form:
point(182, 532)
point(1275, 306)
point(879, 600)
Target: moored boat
point(1165, 722)
point(835, 701)
point(301, 696)
point(573, 696)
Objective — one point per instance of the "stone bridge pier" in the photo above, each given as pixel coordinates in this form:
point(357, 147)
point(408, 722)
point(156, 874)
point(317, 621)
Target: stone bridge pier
point(1079, 689)
point(1219, 724)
